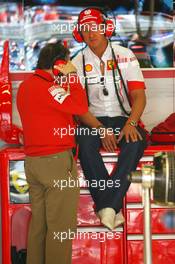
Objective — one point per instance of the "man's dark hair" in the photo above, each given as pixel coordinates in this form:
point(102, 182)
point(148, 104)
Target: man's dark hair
point(50, 53)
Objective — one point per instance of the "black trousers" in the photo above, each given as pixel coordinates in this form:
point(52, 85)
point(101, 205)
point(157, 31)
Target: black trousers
point(108, 191)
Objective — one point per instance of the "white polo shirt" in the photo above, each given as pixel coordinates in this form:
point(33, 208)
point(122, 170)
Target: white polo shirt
point(99, 104)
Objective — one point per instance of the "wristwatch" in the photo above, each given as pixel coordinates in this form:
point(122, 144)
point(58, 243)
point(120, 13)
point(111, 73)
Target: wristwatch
point(133, 123)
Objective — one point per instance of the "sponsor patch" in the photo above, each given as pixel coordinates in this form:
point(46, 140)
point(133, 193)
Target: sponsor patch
point(88, 67)
point(133, 59)
point(110, 64)
point(87, 12)
point(59, 94)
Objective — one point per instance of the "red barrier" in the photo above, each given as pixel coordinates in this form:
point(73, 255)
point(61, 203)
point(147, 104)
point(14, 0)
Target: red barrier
point(126, 245)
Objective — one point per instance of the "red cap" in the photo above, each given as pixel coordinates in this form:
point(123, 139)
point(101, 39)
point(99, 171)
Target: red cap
point(90, 15)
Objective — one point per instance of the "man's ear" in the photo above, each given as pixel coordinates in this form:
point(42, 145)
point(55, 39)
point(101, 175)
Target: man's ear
point(77, 35)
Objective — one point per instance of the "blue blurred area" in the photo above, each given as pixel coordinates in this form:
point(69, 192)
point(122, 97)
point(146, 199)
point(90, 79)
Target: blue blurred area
point(2, 143)
point(169, 219)
point(24, 50)
point(45, 2)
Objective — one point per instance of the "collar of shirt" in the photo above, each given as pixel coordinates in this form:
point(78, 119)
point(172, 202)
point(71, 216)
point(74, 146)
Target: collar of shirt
point(106, 55)
point(44, 75)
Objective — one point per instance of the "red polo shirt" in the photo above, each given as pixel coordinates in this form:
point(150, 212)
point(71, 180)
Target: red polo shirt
point(46, 115)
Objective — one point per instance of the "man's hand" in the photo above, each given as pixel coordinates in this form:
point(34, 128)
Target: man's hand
point(131, 134)
point(109, 141)
point(66, 68)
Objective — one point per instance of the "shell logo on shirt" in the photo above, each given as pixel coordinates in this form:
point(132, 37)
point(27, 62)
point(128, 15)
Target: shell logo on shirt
point(88, 67)
point(110, 64)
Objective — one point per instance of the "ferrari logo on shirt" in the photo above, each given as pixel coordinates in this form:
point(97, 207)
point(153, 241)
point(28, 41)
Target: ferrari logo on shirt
point(111, 64)
point(88, 67)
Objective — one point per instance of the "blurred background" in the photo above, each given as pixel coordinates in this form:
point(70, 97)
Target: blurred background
point(144, 26)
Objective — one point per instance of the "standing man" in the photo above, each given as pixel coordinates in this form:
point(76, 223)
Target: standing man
point(115, 90)
point(46, 110)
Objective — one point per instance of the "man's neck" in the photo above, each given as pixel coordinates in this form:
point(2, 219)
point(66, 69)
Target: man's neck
point(100, 50)
point(49, 71)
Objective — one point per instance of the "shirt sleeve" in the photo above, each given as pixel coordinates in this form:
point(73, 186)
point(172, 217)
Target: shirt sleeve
point(78, 63)
point(74, 102)
point(134, 76)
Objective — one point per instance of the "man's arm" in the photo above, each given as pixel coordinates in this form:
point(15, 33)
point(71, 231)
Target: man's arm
point(109, 141)
point(138, 99)
point(89, 120)
point(73, 101)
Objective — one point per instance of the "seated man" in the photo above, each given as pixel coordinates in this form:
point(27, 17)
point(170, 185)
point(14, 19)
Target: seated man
point(112, 79)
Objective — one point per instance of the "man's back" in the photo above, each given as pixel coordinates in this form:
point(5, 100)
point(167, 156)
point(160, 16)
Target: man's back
point(43, 117)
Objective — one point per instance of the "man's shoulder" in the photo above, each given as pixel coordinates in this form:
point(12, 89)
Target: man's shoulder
point(78, 54)
point(121, 51)
point(25, 82)
point(28, 81)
